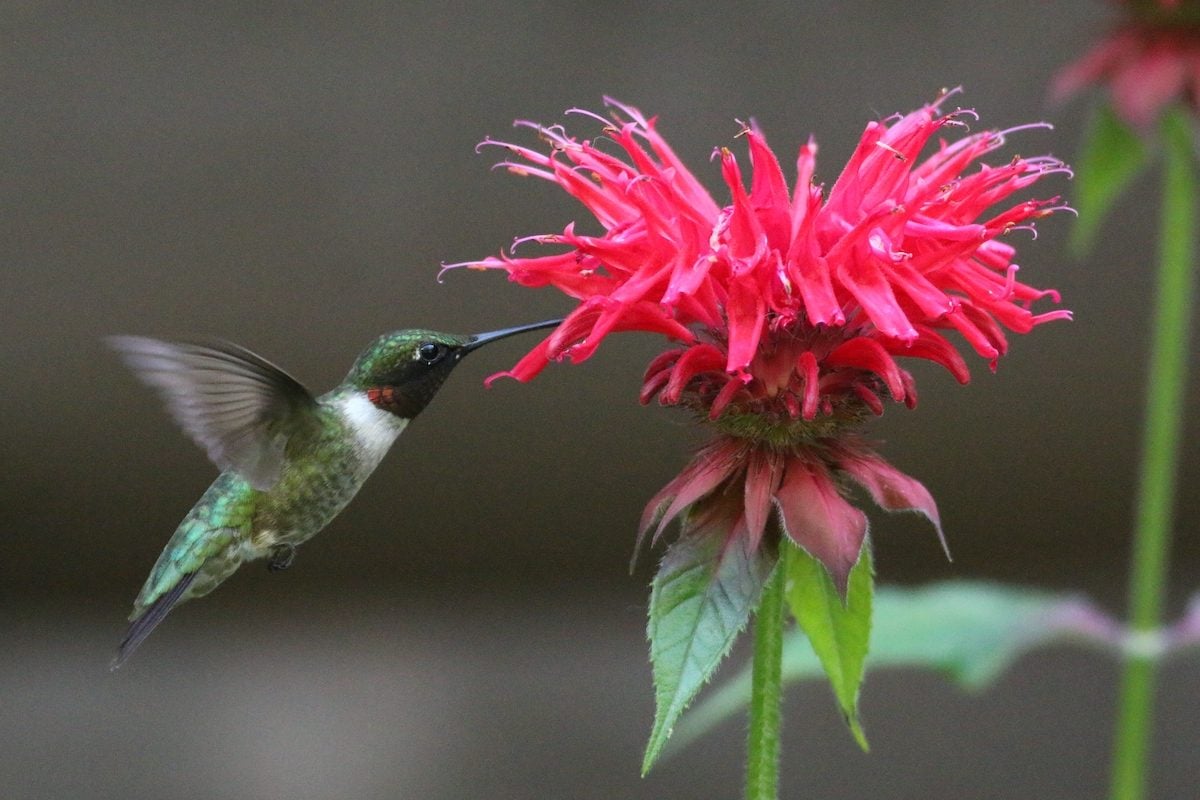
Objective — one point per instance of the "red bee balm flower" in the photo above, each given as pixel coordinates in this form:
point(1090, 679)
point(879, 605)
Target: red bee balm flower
point(1151, 59)
point(790, 309)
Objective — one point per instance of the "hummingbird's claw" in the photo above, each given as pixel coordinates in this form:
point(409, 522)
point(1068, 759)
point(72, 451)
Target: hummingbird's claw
point(282, 556)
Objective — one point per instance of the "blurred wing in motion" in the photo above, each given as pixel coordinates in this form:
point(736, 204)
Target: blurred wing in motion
point(236, 405)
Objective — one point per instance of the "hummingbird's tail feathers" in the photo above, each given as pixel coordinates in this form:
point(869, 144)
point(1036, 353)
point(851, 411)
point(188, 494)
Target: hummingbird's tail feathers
point(148, 620)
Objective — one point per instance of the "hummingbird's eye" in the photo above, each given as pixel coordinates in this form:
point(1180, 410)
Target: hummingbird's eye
point(430, 352)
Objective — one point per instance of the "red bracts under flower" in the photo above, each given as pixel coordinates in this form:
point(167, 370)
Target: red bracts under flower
point(1152, 59)
point(791, 308)
point(739, 484)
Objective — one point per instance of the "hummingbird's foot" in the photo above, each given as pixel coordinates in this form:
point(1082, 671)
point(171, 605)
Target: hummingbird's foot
point(282, 556)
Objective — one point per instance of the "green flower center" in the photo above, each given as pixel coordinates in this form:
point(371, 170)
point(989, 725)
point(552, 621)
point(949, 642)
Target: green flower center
point(781, 432)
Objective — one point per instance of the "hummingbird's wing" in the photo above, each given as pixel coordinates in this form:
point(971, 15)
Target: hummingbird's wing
point(236, 405)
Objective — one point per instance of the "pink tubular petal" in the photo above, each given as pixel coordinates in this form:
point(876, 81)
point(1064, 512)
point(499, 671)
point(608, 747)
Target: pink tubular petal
point(583, 330)
point(880, 165)
point(868, 398)
point(733, 385)
point(562, 271)
point(931, 300)
point(891, 489)
point(746, 311)
point(868, 354)
point(873, 292)
point(662, 363)
point(811, 272)
point(975, 337)
point(578, 325)
point(745, 228)
point(989, 329)
point(605, 201)
point(769, 192)
point(932, 346)
point(653, 385)
point(846, 195)
point(910, 389)
point(527, 368)
point(816, 517)
point(807, 197)
point(652, 318)
point(657, 374)
point(860, 274)
point(695, 360)
point(1061, 315)
point(688, 186)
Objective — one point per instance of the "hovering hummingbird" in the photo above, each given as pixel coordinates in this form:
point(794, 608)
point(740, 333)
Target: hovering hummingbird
point(290, 462)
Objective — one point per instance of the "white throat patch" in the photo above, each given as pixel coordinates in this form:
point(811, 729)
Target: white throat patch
point(374, 429)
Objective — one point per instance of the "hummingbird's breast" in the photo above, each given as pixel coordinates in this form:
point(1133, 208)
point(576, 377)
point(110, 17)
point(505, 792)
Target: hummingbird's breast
point(325, 468)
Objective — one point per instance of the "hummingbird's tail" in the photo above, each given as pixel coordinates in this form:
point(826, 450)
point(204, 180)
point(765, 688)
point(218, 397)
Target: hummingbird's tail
point(148, 620)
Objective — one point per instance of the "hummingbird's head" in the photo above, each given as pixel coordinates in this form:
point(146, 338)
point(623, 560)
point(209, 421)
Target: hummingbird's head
point(400, 372)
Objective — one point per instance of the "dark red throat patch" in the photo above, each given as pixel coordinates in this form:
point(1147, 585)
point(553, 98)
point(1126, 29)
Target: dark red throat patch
point(389, 399)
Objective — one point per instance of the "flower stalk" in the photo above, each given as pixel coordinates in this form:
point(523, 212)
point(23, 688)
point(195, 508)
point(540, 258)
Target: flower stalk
point(1167, 382)
point(766, 693)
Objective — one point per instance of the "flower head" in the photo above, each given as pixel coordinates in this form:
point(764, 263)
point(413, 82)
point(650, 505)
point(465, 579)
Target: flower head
point(1148, 61)
point(790, 308)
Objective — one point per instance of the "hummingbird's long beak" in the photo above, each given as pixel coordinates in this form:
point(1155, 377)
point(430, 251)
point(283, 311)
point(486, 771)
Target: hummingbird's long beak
point(480, 339)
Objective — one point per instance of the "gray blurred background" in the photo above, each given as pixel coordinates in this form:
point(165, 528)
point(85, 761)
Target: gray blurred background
point(290, 178)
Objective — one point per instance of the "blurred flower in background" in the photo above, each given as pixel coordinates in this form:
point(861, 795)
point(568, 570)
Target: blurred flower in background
point(1149, 61)
point(1151, 66)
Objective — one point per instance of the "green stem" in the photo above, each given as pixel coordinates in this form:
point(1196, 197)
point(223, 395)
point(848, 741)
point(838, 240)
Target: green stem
point(762, 747)
point(1166, 382)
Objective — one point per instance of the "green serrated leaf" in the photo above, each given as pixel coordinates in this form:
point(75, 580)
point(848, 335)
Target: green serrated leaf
point(971, 631)
point(1113, 155)
point(701, 598)
point(838, 632)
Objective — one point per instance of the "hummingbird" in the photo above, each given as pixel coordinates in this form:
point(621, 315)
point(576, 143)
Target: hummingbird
point(290, 462)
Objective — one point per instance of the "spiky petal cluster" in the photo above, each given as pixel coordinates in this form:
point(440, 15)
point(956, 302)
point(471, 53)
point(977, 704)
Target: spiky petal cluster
point(791, 307)
point(1148, 61)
